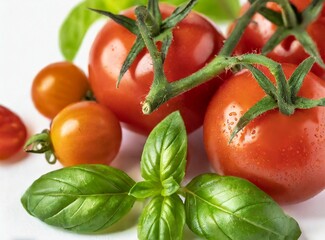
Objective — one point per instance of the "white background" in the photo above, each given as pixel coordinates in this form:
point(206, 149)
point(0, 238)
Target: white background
point(28, 42)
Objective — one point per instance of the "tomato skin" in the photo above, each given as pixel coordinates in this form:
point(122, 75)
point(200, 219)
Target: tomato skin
point(13, 133)
point(58, 85)
point(290, 50)
point(195, 42)
point(85, 133)
point(283, 155)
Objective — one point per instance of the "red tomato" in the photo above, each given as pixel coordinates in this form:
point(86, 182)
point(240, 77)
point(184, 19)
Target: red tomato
point(58, 85)
point(85, 132)
point(195, 42)
point(290, 50)
point(13, 133)
point(283, 155)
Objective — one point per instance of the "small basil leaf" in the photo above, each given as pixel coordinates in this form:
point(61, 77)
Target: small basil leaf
point(80, 19)
point(145, 189)
point(219, 207)
point(170, 186)
point(75, 27)
point(163, 218)
point(85, 198)
point(164, 154)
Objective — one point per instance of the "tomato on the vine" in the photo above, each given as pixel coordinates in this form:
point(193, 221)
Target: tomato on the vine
point(289, 50)
point(283, 155)
point(13, 133)
point(58, 85)
point(195, 42)
point(85, 132)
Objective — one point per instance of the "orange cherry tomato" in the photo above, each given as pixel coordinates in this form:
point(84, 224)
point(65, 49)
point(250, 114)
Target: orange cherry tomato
point(58, 85)
point(13, 133)
point(85, 133)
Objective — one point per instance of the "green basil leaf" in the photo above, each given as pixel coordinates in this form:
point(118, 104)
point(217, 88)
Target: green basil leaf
point(75, 27)
point(85, 198)
point(216, 10)
point(163, 218)
point(145, 189)
point(219, 207)
point(80, 19)
point(170, 186)
point(164, 153)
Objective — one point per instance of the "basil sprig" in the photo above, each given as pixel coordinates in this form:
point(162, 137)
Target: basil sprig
point(89, 198)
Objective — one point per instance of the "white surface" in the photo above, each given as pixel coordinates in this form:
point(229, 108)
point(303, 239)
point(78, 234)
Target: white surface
point(28, 42)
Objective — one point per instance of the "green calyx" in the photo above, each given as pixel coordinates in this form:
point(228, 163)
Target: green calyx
point(41, 143)
point(282, 96)
point(158, 29)
point(295, 24)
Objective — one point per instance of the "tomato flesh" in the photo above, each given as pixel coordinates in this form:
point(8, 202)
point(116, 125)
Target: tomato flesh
point(283, 155)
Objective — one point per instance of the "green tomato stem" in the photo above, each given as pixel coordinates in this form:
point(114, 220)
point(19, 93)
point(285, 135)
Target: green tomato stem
point(288, 14)
point(240, 27)
point(41, 143)
point(215, 67)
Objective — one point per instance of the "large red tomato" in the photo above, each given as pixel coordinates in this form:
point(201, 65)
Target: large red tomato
point(283, 155)
point(195, 42)
point(290, 50)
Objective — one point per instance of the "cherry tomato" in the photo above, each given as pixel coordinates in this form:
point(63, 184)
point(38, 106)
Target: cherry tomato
point(195, 42)
point(283, 155)
point(58, 85)
point(289, 50)
point(85, 132)
point(13, 133)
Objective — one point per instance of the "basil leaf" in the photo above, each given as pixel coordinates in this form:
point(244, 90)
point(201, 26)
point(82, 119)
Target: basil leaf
point(163, 218)
point(219, 207)
point(164, 153)
point(145, 189)
point(80, 19)
point(85, 198)
point(170, 186)
point(75, 27)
